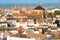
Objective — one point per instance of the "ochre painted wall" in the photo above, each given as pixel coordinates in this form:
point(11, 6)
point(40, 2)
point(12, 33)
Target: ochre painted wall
point(38, 11)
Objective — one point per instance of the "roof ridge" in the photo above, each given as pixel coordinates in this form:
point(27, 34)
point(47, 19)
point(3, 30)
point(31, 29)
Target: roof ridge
point(39, 8)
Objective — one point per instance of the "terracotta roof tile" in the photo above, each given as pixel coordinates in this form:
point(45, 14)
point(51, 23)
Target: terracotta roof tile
point(9, 15)
point(12, 18)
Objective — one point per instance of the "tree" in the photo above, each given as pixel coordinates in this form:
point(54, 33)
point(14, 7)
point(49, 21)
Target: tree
point(43, 31)
point(8, 25)
point(34, 21)
point(57, 12)
point(57, 22)
point(44, 16)
point(50, 15)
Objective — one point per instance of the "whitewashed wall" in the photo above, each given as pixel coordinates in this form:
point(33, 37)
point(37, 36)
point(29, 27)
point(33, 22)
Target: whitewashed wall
point(13, 38)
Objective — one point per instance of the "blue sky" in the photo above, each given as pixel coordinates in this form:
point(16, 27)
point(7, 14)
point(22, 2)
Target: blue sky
point(30, 1)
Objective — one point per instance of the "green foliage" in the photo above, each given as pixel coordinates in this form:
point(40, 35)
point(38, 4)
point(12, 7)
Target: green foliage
point(50, 15)
point(34, 21)
point(43, 31)
point(57, 12)
point(44, 16)
point(57, 22)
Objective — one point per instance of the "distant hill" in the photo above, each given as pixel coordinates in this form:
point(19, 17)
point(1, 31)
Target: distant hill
point(51, 4)
point(46, 4)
